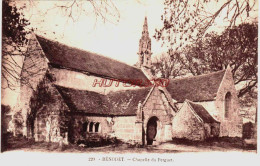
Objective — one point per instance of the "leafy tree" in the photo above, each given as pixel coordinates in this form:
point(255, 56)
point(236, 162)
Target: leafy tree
point(236, 47)
point(14, 38)
point(248, 104)
point(13, 23)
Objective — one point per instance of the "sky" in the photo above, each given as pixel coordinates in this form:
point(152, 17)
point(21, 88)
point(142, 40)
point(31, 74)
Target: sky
point(117, 40)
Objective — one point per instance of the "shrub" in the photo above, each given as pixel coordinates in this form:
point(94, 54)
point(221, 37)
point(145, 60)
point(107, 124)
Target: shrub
point(248, 130)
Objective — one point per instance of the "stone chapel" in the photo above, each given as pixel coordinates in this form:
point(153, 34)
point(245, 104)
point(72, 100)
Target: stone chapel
point(194, 108)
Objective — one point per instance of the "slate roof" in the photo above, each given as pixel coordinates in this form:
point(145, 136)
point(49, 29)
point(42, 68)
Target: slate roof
point(64, 56)
point(84, 101)
point(196, 88)
point(126, 102)
point(202, 113)
point(121, 103)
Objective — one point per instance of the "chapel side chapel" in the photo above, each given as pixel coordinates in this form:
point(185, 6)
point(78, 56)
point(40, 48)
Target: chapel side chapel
point(194, 108)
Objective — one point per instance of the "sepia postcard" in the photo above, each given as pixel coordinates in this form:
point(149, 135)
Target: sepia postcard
point(136, 82)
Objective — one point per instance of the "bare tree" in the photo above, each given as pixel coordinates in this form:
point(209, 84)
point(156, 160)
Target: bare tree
point(185, 20)
point(188, 26)
point(167, 66)
point(105, 10)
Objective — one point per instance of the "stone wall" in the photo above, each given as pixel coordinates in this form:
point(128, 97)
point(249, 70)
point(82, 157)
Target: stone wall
point(186, 125)
point(33, 71)
point(231, 126)
point(121, 127)
point(47, 129)
point(124, 128)
point(52, 119)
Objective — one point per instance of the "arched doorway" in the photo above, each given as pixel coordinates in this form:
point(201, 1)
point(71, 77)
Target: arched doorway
point(151, 130)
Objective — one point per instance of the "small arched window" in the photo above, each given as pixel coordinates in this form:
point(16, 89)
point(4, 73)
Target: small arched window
point(96, 127)
point(228, 98)
point(91, 127)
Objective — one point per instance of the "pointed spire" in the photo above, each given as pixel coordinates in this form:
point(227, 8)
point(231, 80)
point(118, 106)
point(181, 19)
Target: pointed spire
point(145, 22)
point(145, 46)
point(145, 26)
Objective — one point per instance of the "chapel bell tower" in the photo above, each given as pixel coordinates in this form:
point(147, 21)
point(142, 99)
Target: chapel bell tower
point(145, 47)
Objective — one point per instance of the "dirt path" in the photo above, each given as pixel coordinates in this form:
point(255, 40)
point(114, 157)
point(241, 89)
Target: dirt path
point(22, 144)
point(163, 148)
